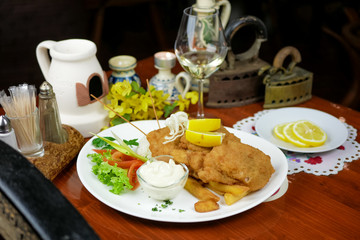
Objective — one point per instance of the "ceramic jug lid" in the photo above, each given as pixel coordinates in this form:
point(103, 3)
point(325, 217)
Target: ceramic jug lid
point(164, 59)
point(122, 63)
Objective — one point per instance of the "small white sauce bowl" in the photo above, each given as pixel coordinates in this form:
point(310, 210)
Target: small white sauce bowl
point(166, 192)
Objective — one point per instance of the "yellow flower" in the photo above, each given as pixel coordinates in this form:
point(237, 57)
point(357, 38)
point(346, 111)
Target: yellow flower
point(140, 116)
point(124, 108)
point(183, 103)
point(151, 114)
point(193, 96)
point(121, 89)
point(125, 100)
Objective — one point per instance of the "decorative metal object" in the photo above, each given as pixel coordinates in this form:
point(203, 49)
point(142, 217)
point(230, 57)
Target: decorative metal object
point(286, 86)
point(237, 82)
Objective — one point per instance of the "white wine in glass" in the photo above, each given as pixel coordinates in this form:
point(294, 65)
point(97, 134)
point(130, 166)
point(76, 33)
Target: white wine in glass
point(200, 47)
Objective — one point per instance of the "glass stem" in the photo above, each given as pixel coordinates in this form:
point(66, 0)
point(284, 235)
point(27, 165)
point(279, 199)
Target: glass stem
point(200, 112)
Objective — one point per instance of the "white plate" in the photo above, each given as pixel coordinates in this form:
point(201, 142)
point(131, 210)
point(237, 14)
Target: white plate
point(336, 131)
point(138, 204)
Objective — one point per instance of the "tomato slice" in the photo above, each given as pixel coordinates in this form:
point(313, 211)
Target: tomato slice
point(115, 154)
point(132, 174)
point(121, 156)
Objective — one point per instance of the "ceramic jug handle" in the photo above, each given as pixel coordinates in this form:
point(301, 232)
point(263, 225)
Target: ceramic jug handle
point(178, 84)
point(43, 56)
point(225, 11)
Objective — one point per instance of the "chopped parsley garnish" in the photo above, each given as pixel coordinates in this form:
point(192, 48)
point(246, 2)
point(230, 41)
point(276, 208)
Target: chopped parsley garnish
point(99, 143)
point(132, 142)
point(167, 203)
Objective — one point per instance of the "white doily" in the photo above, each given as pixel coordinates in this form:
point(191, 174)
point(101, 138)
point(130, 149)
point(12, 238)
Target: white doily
point(325, 163)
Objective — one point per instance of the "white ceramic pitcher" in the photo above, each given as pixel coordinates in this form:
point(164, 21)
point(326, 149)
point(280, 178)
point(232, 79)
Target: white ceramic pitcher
point(74, 72)
point(165, 80)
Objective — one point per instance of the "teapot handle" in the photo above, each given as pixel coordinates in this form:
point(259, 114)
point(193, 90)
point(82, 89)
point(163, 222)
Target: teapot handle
point(253, 51)
point(283, 53)
point(225, 11)
point(43, 56)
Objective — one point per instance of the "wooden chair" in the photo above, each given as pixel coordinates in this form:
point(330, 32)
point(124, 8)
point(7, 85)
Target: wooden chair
point(31, 207)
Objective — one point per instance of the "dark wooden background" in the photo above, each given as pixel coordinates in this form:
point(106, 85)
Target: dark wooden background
point(134, 27)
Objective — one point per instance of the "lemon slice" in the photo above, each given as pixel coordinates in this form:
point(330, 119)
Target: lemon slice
point(204, 139)
point(204, 125)
point(309, 133)
point(291, 137)
point(279, 131)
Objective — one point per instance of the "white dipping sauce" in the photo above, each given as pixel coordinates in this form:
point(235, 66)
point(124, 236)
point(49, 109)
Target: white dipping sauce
point(162, 174)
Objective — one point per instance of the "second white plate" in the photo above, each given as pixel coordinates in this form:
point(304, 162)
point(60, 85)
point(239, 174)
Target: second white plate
point(336, 131)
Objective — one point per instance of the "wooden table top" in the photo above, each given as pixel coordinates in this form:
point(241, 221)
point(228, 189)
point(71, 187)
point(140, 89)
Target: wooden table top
point(314, 207)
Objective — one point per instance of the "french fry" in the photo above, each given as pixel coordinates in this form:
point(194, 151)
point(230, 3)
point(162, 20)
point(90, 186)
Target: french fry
point(198, 191)
point(206, 206)
point(232, 198)
point(224, 188)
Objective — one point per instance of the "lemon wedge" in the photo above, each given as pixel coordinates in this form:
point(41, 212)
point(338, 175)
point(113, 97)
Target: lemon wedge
point(204, 125)
point(204, 139)
point(291, 137)
point(279, 131)
point(309, 133)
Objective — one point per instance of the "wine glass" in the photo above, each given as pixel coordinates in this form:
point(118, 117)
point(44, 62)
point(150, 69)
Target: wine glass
point(200, 47)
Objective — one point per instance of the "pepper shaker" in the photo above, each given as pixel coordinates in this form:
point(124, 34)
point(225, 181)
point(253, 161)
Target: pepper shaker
point(50, 122)
point(7, 134)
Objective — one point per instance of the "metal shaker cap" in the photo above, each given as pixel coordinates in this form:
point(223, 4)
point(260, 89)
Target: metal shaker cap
point(5, 125)
point(164, 59)
point(46, 89)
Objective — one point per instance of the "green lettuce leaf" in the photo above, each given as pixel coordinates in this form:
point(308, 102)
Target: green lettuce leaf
point(110, 175)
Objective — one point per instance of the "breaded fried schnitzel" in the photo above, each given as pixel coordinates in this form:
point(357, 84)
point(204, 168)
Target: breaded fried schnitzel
point(230, 163)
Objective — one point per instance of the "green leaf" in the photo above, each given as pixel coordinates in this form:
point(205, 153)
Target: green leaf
point(135, 86)
point(118, 120)
point(142, 91)
point(168, 109)
point(99, 143)
point(132, 142)
point(131, 94)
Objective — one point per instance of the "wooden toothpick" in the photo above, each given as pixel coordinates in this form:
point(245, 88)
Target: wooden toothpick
point(152, 101)
point(117, 113)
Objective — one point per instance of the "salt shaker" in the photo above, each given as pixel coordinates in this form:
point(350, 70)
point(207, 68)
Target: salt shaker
point(7, 134)
point(50, 122)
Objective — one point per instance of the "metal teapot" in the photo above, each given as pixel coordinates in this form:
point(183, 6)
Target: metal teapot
point(237, 82)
